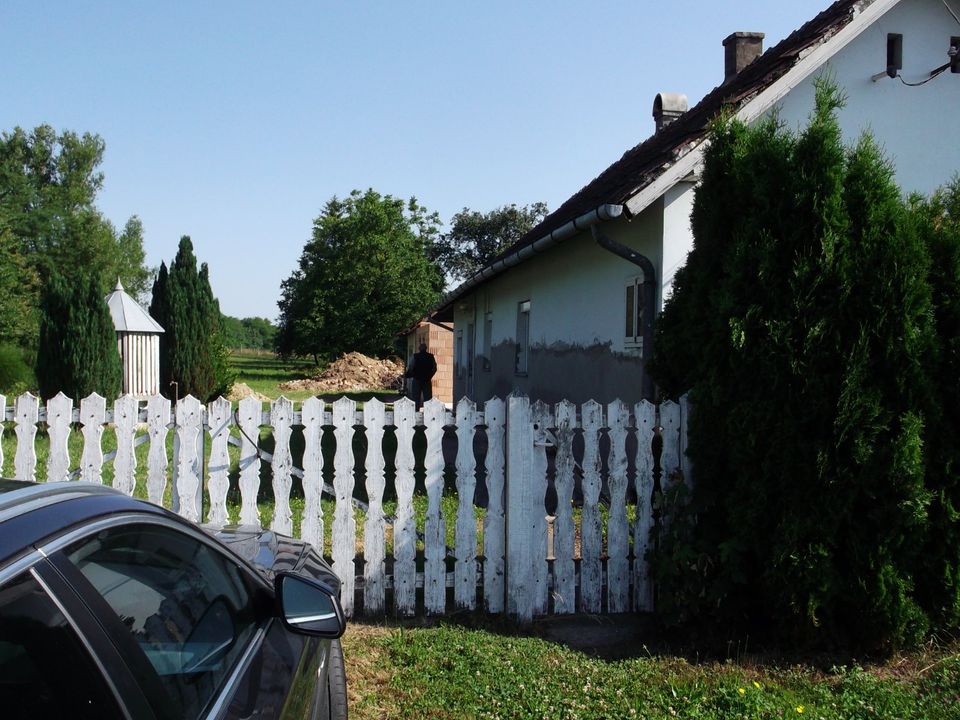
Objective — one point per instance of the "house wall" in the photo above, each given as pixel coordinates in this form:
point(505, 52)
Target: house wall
point(915, 125)
point(577, 316)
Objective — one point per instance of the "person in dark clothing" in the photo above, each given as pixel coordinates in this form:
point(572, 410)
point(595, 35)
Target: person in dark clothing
point(421, 371)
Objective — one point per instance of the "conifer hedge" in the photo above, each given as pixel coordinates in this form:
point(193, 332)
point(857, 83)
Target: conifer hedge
point(77, 351)
point(819, 345)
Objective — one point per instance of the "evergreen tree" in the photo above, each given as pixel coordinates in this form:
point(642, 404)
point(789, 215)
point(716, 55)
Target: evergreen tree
point(77, 352)
point(192, 349)
point(802, 327)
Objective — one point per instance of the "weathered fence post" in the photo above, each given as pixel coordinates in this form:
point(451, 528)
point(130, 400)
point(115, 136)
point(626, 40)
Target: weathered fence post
point(618, 564)
point(311, 527)
point(158, 418)
point(434, 530)
point(374, 537)
point(248, 418)
point(465, 572)
point(646, 414)
point(27, 413)
point(542, 422)
point(564, 530)
point(219, 419)
point(591, 523)
point(125, 419)
point(281, 418)
point(188, 487)
point(520, 509)
point(59, 417)
point(493, 522)
point(404, 527)
point(344, 541)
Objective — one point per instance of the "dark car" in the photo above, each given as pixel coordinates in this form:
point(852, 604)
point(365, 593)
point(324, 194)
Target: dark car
point(111, 607)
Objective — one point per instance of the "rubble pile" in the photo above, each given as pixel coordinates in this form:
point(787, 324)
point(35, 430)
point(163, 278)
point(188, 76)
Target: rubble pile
point(352, 373)
point(240, 390)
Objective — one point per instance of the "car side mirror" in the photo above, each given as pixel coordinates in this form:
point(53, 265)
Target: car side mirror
point(309, 607)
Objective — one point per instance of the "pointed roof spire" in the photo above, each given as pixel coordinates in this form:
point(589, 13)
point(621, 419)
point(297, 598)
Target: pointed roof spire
point(127, 314)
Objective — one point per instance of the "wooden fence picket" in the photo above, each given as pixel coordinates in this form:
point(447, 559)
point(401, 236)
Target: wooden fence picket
point(344, 543)
point(311, 527)
point(189, 429)
point(93, 418)
point(404, 527)
point(374, 528)
point(542, 422)
point(669, 457)
point(125, 419)
point(591, 538)
point(158, 425)
point(493, 521)
point(59, 417)
point(248, 419)
point(26, 411)
point(618, 564)
point(465, 571)
point(564, 531)
point(645, 413)
point(3, 417)
point(219, 420)
point(435, 535)
point(281, 418)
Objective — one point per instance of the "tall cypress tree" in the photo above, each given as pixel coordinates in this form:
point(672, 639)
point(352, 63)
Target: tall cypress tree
point(77, 352)
point(192, 351)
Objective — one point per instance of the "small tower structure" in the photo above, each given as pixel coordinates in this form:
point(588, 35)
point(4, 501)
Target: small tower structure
point(138, 341)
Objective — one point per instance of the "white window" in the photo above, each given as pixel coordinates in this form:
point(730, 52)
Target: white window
point(523, 337)
point(633, 325)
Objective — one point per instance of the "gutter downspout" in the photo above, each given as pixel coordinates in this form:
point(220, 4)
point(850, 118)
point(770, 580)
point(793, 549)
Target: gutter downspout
point(649, 299)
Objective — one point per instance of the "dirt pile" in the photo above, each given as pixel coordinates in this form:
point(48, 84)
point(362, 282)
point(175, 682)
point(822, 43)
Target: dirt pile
point(352, 373)
point(240, 390)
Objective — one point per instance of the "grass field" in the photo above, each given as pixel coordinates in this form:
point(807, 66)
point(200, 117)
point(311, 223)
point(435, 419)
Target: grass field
point(482, 668)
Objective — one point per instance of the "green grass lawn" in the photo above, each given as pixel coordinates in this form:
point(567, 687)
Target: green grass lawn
point(491, 670)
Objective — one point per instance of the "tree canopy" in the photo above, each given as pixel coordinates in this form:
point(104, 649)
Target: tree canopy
point(475, 238)
point(363, 276)
point(49, 222)
point(251, 333)
point(803, 327)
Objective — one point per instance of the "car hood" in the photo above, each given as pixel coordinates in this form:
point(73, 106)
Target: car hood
point(270, 552)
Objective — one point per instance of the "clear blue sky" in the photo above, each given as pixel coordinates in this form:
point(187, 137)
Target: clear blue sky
point(234, 122)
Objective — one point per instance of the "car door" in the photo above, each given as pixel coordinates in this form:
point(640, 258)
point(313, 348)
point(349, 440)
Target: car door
point(47, 668)
point(195, 625)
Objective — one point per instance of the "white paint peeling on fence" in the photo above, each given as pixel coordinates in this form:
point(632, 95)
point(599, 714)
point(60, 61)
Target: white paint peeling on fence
point(465, 572)
point(219, 420)
point(591, 538)
point(189, 427)
point(434, 536)
point(281, 418)
point(645, 414)
point(249, 420)
point(493, 521)
point(3, 416)
point(59, 415)
point(564, 530)
point(344, 524)
point(518, 441)
point(311, 528)
point(542, 422)
point(404, 528)
point(158, 424)
point(27, 414)
point(618, 563)
point(374, 529)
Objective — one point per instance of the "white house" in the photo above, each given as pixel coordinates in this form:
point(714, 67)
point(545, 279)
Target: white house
point(558, 316)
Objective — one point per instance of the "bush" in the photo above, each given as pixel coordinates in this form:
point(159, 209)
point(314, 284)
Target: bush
point(803, 327)
point(16, 377)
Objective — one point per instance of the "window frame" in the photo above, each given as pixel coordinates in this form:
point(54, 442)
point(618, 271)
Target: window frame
point(633, 315)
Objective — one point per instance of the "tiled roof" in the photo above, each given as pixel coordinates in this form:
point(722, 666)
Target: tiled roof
point(640, 165)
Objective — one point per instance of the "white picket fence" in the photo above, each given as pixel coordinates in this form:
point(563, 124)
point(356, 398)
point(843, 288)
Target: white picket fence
point(530, 564)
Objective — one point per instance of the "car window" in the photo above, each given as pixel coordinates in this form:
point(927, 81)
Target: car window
point(45, 671)
point(188, 607)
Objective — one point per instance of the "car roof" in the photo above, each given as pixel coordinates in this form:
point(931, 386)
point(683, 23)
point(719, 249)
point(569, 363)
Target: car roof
point(31, 512)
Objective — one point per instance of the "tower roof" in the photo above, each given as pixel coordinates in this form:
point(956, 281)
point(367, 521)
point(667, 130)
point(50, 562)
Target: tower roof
point(127, 314)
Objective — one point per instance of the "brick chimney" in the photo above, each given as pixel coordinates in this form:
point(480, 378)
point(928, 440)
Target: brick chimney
point(740, 49)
